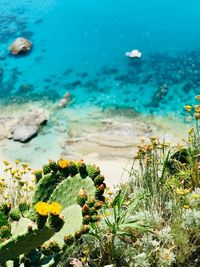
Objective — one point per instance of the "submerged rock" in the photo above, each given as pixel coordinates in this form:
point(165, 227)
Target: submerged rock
point(28, 126)
point(20, 46)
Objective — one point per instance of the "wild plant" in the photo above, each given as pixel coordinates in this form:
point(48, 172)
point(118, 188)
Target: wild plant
point(117, 231)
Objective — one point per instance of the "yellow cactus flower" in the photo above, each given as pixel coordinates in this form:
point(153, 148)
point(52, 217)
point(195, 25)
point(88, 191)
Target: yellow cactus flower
point(42, 208)
point(55, 208)
point(182, 192)
point(63, 163)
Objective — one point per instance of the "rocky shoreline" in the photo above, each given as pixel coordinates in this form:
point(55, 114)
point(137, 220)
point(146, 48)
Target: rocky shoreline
point(108, 138)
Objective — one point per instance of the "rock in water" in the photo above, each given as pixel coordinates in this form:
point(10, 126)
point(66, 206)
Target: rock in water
point(134, 54)
point(20, 46)
point(29, 125)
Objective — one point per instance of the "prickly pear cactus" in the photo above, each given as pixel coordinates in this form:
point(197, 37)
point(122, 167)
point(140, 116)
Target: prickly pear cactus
point(77, 188)
point(28, 235)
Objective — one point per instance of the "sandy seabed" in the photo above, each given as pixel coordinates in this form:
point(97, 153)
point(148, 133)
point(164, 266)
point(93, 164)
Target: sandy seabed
point(108, 138)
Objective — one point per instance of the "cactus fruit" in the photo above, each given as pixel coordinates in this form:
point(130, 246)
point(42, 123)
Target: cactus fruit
point(85, 229)
point(82, 169)
point(87, 219)
point(46, 169)
point(99, 180)
point(69, 239)
point(5, 208)
point(24, 207)
point(95, 218)
point(91, 201)
point(5, 232)
point(98, 205)
point(93, 171)
point(92, 211)
point(49, 248)
point(38, 175)
point(53, 165)
point(77, 234)
point(73, 170)
point(15, 214)
point(82, 197)
point(85, 209)
point(100, 190)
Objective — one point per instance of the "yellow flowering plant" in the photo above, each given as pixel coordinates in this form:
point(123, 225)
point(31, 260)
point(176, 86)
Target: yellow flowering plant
point(18, 183)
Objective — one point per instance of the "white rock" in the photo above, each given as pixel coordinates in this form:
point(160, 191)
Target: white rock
point(28, 126)
point(134, 53)
point(20, 45)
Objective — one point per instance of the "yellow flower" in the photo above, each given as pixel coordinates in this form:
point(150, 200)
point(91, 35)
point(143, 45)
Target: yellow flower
point(55, 208)
point(42, 208)
point(86, 250)
point(25, 165)
point(13, 172)
point(190, 131)
point(182, 192)
point(6, 162)
point(63, 163)
point(196, 196)
point(31, 187)
point(186, 206)
point(180, 146)
point(83, 259)
point(188, 108)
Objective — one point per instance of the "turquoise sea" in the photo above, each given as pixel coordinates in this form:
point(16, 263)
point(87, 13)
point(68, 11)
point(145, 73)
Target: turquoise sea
point(79, 46)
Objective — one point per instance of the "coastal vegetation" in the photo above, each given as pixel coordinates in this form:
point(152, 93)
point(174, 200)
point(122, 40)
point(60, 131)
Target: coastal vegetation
point(64, 215)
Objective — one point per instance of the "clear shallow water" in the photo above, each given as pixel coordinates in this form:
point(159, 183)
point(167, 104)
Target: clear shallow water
point(79, 46)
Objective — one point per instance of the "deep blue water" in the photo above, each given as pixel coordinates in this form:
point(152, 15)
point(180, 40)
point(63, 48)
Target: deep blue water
point(79, 46)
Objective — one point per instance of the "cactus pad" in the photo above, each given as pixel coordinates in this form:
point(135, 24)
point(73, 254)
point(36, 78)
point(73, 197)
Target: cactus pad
point(73, 222)
point(22, 244)
point(66, 193)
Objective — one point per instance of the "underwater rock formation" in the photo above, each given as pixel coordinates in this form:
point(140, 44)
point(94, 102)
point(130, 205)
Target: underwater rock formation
point(159, 95)
point(20, 46)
